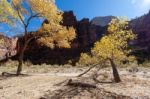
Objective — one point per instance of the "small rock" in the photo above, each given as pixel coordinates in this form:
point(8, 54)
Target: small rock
point(42, 98)
point(1, 87)
point(133, 70)
point(145, 72)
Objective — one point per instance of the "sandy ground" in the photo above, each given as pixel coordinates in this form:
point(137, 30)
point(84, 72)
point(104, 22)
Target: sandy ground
point(134, 85)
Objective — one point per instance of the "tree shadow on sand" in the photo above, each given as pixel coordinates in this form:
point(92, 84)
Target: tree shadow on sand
point(6, 75)
point(78, 91)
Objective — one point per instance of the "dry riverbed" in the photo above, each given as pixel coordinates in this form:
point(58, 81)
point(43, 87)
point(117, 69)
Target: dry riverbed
point(50, 83)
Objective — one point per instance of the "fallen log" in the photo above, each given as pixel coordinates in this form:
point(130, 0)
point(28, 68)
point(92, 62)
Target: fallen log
point(80, 84)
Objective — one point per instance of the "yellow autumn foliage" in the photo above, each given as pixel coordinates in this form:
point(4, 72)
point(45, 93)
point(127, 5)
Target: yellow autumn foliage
point(6, 12)
point(86, 59)
point(47, 9)
point(52, 34)
point(114, 45)
point(56, 34)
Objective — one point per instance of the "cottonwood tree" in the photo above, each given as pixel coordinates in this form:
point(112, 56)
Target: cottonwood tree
point(114, 46)
point(52, 34)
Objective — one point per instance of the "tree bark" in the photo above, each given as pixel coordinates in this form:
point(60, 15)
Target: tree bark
point(26, 41)
point(80, 84)
point(20, 60)
point(115, 72)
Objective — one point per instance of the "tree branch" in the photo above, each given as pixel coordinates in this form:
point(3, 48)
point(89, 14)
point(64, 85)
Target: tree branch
point(87, 70)
point(31, 17)
point(19, 15)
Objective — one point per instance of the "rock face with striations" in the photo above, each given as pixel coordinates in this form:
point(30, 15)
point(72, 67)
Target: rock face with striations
point(141, 26)
point(69, 19)
point(86, 32)
point(8, 47)
point(102, 21)
point(83, 31)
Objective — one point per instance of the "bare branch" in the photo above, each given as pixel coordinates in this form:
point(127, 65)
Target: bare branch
point(19, 15)
point(31, 17)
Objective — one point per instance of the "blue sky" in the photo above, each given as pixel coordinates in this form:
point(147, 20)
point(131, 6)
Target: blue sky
point(90, 9)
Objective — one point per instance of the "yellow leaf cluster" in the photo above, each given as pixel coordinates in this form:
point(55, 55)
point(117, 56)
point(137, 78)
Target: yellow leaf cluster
point(51, 34)
point(6, 12)
point(1, 41)
point(114, 45)
point(86, 59)
point(47, 9)
point(56, 36)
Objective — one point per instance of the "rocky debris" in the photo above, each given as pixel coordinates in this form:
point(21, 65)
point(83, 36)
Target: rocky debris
point(133, 70)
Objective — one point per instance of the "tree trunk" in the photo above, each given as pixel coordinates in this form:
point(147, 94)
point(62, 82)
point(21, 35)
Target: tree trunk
point(20, 60)
point(115, 72)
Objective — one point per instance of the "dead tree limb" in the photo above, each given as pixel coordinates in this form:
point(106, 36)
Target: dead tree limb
point(87, 71)
point(80, 84)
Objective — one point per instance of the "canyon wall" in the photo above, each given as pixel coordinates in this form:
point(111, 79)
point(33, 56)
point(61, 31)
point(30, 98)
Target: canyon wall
point(88, 32)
